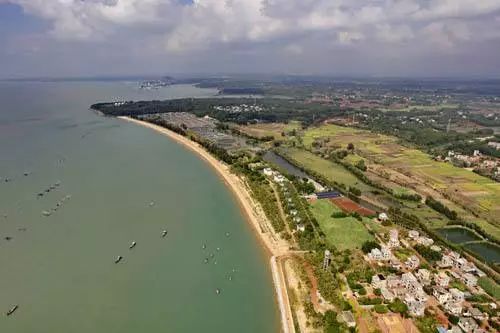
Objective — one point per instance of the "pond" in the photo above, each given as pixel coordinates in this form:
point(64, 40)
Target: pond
point(458, 235)
point(490, 252)
point(275, 159)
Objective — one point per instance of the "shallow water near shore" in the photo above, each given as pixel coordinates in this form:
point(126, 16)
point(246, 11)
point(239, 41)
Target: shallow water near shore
point(126, 183)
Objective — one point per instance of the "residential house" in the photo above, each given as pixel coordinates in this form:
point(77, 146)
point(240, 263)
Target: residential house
point(442, 295)
point(457, 295)
point(470, 280)
point(379, 281)
point(467, 324)
point(412, 262)
point(424, 276)
point(375, 254)
point(415, 307)
point(383, 217)
point(387, 294)
point(348, 318)
point(386, 253)
point(413, 234)
point(446, 261)
point(300, 227)
point(442, 279)
point(426, 241)
point(478, 314)
point(393, 281)
point(454, 308)
point(393, 238)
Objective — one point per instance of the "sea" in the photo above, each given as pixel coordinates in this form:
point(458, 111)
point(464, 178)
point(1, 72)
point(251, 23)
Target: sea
point(77, 188)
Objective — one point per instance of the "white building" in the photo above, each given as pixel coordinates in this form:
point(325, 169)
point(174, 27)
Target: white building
point(393, 238)
point(457, 295)
point(467, 324)
point(413, 234)
point(424, 276)
point(470, 280)
point(441, 295)
point(379, 281)
point(412, 262)
point(415, 307)
point(454, 308)
point(442, 279)
point(426, 241)
point(383, 217)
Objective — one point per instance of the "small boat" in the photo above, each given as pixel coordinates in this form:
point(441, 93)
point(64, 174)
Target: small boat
point(12, 310)
point(230, 278)
point(227, 234)
point(26, 174)
point(204, 246)
point(40, 194)
point(132, 245)
point(163, 233)
point(8, 238)
point(151, 204)
point(46, 213)
point(118, 259)
point(217, 291)
point(205, 261)
point(218, 249)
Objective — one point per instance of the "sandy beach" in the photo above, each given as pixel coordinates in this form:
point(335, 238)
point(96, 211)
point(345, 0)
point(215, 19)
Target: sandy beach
point(274, 245)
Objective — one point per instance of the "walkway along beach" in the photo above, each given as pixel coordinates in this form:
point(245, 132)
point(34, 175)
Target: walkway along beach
point(275, 246)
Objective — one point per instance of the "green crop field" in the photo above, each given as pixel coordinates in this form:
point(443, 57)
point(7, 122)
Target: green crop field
point(343, 233)
point(332, 171)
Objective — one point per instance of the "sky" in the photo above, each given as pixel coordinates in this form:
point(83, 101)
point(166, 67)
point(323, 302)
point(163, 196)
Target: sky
point(398, 38)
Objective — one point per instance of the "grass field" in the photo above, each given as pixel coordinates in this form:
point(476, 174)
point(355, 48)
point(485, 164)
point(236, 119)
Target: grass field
point(332, 171)
point(490, 286)
point(463, 186)
point(269, 129)
point(343, 233)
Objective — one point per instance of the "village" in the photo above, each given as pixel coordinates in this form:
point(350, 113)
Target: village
point(411, 273)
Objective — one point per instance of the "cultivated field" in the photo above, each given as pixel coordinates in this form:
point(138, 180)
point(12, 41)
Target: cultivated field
point(465, 188)
point(332, 171)
point(343, 233)
point(268, 129)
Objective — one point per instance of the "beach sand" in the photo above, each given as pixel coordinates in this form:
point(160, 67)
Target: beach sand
point(275, 246)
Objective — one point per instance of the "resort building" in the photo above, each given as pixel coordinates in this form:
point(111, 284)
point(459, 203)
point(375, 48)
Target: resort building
point(441, 295)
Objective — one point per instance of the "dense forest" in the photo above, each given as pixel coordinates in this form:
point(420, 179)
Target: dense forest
point(275, 109)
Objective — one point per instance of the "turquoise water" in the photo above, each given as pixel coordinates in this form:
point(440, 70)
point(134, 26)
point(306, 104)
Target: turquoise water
point(126, 184)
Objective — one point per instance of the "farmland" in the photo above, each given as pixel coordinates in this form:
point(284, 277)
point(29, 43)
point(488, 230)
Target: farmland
point(334, 228)
point(417, 169)
point(274, 130)
point(332, 171)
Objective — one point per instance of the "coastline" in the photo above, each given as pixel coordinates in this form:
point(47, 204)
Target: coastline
point(274, 246)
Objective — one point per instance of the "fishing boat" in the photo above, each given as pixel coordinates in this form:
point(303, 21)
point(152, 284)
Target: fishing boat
point(217, 291)
point(204, 246)
point(164, 233)
point(118, 259)
point(12, 310)
point(132, 245)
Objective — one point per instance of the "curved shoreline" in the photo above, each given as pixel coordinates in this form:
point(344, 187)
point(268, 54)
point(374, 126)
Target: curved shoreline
point(274, 246)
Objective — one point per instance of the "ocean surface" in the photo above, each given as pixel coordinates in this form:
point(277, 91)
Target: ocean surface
point(107, 183)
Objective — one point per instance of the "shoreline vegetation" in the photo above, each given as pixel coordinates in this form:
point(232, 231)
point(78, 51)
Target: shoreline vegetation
point(275, 247)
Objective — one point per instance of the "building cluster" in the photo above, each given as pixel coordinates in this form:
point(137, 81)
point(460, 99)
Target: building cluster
point(242, 108)
point(289, 206)
point(483, 164)
point(418, 287)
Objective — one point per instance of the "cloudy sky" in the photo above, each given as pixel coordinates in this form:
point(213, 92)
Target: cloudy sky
point(332, 37)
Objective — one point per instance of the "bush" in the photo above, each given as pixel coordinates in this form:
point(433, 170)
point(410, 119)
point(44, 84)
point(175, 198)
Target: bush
point(368, 246)
point(379, 308)
point(398, 307)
